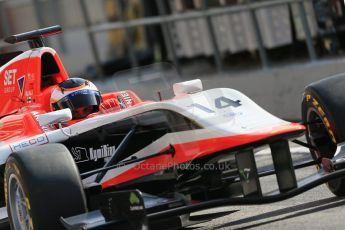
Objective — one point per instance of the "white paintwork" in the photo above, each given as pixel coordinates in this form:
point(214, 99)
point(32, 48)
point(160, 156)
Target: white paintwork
point(249, 117)
point(55, 117)
point(161, 143)
point(187, 87)
point(227, 121)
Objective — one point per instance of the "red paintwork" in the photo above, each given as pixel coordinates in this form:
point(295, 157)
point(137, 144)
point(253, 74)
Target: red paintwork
point(192, 150)
point(16, 126)
point(30, 68)
point(33, 99)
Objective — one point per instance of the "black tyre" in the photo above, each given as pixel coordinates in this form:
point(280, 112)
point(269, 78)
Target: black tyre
point(323, 109)
point(41, 185)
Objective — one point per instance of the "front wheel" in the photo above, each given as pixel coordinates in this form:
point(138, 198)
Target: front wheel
point(323, 111)
point(42, 184)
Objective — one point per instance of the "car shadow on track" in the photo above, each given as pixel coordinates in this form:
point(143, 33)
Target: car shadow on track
point(298, 210)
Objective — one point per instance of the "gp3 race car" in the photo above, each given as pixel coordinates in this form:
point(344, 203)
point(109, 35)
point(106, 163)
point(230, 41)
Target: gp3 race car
point(151, 164)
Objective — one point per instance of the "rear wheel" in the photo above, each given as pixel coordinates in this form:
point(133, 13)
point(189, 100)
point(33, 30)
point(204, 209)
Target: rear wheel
point(323, 111)
point(42, 184)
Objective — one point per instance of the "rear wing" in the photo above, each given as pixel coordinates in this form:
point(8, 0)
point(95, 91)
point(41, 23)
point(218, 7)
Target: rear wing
point(34, 37)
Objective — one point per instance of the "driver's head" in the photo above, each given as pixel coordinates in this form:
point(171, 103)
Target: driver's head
point(77, 94)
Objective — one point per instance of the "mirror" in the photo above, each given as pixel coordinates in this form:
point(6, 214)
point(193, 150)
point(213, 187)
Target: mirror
point(55, 117)
point(187, 87)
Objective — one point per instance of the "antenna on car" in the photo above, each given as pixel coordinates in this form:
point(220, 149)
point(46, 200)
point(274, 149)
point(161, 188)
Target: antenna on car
point(34, 37)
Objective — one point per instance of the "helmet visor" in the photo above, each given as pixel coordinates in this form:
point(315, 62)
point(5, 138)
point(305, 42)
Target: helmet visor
point(80, 99)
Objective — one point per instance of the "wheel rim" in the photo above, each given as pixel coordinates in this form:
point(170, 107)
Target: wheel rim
point(318, 136)
point(17, 203)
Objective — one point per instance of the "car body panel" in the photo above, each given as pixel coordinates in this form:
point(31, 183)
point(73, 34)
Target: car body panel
point(232, 121)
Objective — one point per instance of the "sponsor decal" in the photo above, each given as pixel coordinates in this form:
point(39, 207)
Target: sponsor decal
point(135, 202)
point(104, 152)
point(21, 81)
point(133, 199)
point(29, 100)
point(219, 103)
point(224, 102)
point(81, 154)
point(245, 174)
point(10, 77)
point(136, 207)
point(10, 80)
point(124, 99)
point(29, 93)
point(201, 107)
point(38, 140)
point(121, 102)
point(31, 77)
point(9, 89)
point(232, 114)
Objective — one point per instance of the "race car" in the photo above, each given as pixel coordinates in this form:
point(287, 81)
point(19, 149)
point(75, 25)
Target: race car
point(150, 164)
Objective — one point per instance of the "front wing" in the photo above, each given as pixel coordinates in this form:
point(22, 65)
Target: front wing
point(132, 209)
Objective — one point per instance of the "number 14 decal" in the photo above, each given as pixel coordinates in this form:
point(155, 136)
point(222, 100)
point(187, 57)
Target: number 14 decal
point(220, 103)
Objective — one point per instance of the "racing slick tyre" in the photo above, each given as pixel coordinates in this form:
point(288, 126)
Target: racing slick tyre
point(42, 184)
point(323, 112)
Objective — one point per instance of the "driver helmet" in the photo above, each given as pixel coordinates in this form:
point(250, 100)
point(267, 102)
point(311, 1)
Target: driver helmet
point(79, 95)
